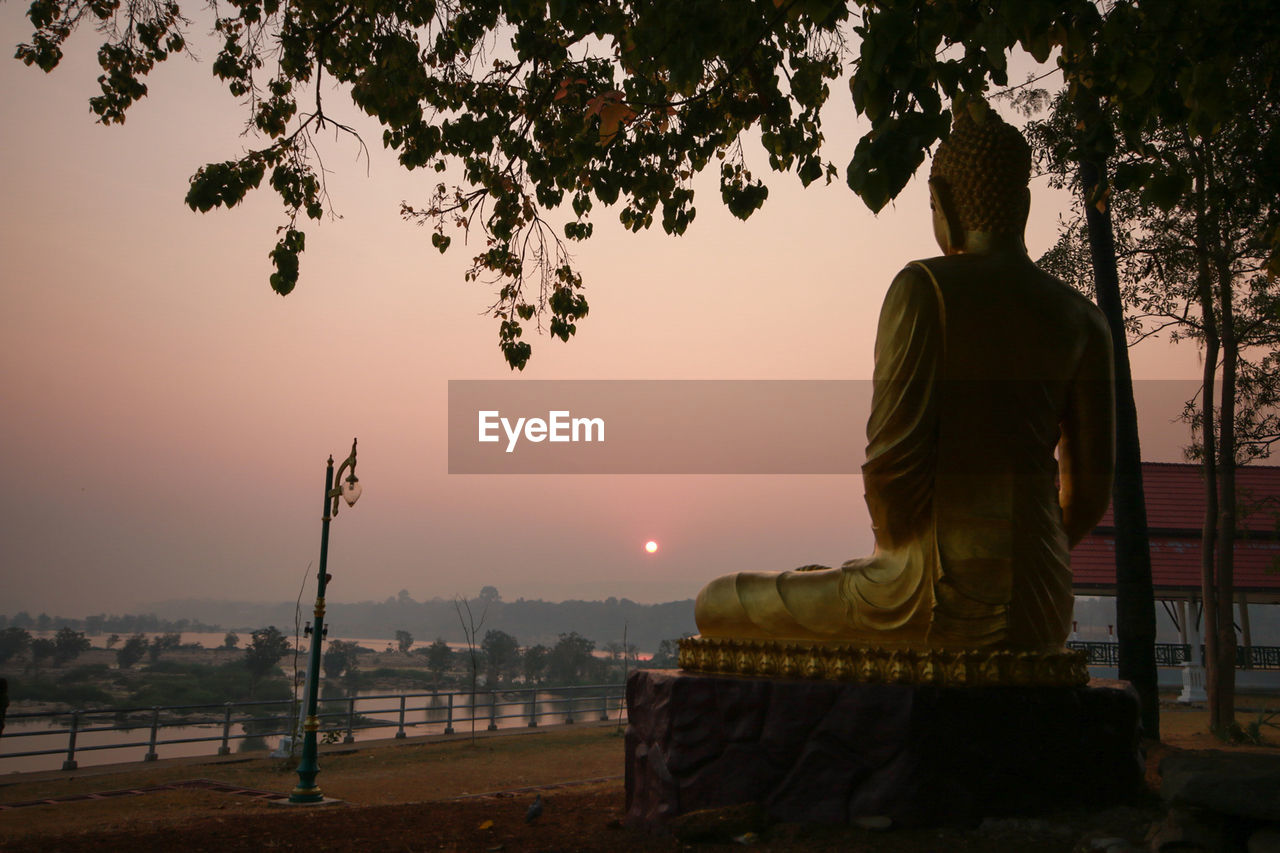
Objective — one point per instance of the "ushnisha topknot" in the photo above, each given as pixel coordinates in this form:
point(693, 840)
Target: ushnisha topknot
point(986, 164)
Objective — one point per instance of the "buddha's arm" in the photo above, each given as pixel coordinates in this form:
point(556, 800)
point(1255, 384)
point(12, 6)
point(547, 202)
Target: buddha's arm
point(1086, 453)
point(902, 430)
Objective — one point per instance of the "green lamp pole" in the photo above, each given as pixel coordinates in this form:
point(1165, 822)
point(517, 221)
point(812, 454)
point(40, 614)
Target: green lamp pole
point(349, 490)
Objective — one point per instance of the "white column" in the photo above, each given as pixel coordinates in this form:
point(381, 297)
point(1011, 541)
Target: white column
point(1192, 670)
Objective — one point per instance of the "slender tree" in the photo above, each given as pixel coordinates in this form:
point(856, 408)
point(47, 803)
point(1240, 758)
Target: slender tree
point(501, 651)
point(570, 660)
point(1135, 595)
point(534, 663)
point(163, 643)
point(1193, 267)
point(264, 651)
point(13, 642)
point(68, 645)
point(340, 659)
point(133, 650)
point(41, 648)
point(439, 659)
point(470, 629)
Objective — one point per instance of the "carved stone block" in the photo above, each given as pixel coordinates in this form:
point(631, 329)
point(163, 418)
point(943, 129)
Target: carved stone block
point(827, 752)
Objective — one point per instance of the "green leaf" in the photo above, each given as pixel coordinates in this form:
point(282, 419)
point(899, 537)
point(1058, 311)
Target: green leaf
point(1139, 77)
point(285, 258)
point(1164, 189)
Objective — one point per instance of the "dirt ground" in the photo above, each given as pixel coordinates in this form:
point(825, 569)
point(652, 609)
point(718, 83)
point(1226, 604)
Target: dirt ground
point(437, 794)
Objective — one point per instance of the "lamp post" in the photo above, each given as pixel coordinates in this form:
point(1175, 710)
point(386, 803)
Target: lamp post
point(349, 490)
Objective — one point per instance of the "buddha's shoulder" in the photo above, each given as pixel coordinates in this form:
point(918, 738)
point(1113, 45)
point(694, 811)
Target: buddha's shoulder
point(964, 269)
point(1072, 302)
point(914, 287)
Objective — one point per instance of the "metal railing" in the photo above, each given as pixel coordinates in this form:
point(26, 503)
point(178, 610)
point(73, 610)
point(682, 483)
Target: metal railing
point(340, 717)
point(1176, 654)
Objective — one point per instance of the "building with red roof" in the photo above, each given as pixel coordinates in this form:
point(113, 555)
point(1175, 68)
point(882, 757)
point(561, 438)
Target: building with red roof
point(1175, 519)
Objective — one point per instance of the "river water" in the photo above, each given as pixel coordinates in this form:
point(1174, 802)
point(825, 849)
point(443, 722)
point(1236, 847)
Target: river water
point(50, 735)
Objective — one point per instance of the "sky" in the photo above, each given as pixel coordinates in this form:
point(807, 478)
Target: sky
point(166, 417)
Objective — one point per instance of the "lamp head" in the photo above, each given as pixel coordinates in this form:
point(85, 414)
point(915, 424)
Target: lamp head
point(351, 489)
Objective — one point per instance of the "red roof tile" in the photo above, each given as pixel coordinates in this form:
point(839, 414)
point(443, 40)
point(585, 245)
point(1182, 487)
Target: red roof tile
point(1175, 502)
point(1175, 496)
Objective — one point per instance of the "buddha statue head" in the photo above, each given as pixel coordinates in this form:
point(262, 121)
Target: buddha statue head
point(978, 185)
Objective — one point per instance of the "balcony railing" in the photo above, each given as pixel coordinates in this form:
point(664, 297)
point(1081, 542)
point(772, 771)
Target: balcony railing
point(71, 733)
point(1175, 654)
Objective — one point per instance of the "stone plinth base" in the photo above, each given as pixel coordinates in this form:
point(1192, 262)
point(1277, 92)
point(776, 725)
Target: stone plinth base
point(824, 752)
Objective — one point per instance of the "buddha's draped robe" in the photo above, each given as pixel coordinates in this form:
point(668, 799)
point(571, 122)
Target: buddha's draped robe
point(981, 363)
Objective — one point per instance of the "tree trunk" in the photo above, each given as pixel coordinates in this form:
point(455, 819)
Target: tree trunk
point(1135, 598)
point(1222, 715)
point(1209, 532)
point(1209, 442)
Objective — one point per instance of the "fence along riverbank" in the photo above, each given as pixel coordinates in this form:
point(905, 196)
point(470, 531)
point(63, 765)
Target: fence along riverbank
point(48, 740)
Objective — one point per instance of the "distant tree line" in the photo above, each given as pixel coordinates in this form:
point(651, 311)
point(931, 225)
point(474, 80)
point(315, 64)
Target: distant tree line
point(652, 629)
point(254, 673)
point(499, 661)
point(67, 644)
point(101, 623)
point(534, 621)
point(62, 648)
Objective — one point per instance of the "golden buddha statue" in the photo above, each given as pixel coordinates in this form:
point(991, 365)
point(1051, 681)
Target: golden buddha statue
point(984, 367)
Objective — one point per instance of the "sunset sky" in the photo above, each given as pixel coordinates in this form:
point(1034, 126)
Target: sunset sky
point(166, 416)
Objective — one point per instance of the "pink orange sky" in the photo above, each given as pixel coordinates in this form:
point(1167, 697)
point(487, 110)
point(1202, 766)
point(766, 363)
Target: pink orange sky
point(167, 417)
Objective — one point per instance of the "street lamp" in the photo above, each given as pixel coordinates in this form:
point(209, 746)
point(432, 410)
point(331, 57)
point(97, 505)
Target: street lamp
point(349, 490)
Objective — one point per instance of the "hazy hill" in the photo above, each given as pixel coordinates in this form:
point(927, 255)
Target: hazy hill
point(529, 621)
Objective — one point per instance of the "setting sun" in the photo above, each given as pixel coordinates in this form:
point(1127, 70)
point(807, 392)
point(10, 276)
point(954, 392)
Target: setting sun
point(651, 546)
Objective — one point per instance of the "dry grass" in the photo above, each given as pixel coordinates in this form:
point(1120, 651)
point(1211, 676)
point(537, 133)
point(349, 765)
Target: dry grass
point(1188, 728)
point(379, 773)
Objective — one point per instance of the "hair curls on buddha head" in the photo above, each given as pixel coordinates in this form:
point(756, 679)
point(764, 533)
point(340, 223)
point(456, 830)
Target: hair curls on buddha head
point(986, 167)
